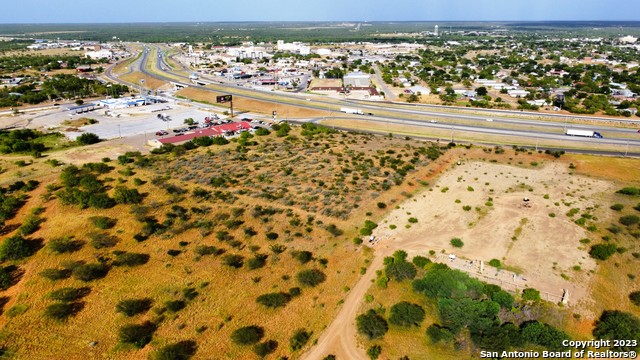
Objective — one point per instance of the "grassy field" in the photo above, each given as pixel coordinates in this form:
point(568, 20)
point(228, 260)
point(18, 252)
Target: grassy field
point(312, 192)
point(149, 82)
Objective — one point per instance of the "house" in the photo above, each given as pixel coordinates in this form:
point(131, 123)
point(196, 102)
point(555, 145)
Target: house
point(518, 93)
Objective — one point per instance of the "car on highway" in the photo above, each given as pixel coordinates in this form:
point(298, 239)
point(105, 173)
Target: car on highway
point(161, 133)
point(433, 121)
point(489, 120)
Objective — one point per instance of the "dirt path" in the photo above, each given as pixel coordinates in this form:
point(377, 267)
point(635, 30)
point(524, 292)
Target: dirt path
point(339, 338)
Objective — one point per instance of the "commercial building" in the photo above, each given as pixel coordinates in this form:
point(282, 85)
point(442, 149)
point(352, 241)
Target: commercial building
point(356, 79)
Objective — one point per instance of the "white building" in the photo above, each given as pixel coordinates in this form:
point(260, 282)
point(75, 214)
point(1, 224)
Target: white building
point(357, 79)
point(518, 93)
point(100, 54)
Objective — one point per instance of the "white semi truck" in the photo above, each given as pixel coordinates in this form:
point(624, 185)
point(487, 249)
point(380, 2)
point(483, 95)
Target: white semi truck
point(352, 111)
point(583, 133)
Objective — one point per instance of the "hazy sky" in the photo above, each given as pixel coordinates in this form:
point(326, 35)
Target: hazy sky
point(67, 11)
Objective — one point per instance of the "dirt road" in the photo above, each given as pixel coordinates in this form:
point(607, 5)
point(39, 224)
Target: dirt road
point(339, 338)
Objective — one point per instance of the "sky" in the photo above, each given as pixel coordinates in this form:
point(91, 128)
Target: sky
point(92, 11)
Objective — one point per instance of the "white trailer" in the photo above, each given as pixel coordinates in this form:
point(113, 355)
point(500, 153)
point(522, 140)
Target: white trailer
point(583, 133)
point(352, 111)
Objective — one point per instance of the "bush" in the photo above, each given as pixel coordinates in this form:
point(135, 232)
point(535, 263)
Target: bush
point(503, 298)
point(15, 248)
point(137, 335)
point(267, 347)
point(88, 139)
point(257, 262)
point(372, 325)
point(132, 307)
point(617, 207)
point(175, 305)
point(272, 236)
point(635, 298)
point(413, 220)
point(456, 242)
point(299, 339)
point(103, 222)
point(123, 195)
point(273, 300)
point(629, 191)
point(629, 220)
point(368, 228)
point(55, 274)
point(182, 350)
point(420, 261)
point(69, 294)
point(234, 261)
point(311, 278)
point(208, 250)
point(602, 251)
point(61, 311)
point(102, 240)
point(30, 225)
point(89, 272)
point(399, 270)
point(302, 256)
point(530, 294)
point(374, 352)
point(617, 325)
point(495, 263)
point(406, 314)
point(439, 333)
point(382, 205)
point(6, 280)
point(64, 245)
point(247, 335)
point(130, 259)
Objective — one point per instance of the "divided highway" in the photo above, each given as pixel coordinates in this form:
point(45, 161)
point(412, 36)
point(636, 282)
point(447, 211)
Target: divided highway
point(495, 122)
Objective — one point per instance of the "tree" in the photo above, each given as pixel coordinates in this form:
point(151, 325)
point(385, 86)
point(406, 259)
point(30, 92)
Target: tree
point(69, 294)
point(6, 280)
point(602, 251)
point(15, 248)
point(273, 300)
point(88, 139)
point(189, 121)
point(299, 339)
point(618, 325)
point(137, 335)
point(530, 294)
point(123, 195)
point(247, 335)
point(406, 314)
point(372, 325)
point(90, 272)
point(503, 298)
point(439, 333)
point(635, 297)
point(374, 352)
point(481, 91)
point(64, 245)
point(311, 278)
point(182, 350)
point(535, 332)
point(132, 307)
point(265, 348)
point(62, 310)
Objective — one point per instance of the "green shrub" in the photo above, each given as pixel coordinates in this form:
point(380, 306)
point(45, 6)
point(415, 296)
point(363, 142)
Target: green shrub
point(130, 259)
point(137, 335)
point(382, 205)
point(602, 251)
point(103, 222)
point(123, 195)
point(616, 325)
point(311, 278)
point(456, 242)
point(420, 261)
point(247, 335)
point(175, 305)
point(466, 208)
point(617, 207)
point(629, 220)
point(530, 294)
point(406, 314)
point(15, 248)
point(88, 139)
point(635, 298)
point(368, 228)
point(89, 272)
point(62, 310)
point(439, 333)
point(495, 263)
point(374, 352)
point(234, 261)
point(413, 220)
point(273, 300)
point(272, 236)
point(69, 294)
point(102, 240)
point(208, 250)
point(132, 307)
point(265, 348)
point(299, 339)
point(257, 261)
point(64, 245)
point(55, 274)
point(372, 325)
point(182, 350)
point(6, 280)
point(629, 191)
point(302, 256)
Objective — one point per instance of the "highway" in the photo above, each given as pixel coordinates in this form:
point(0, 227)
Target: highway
point(502, 122)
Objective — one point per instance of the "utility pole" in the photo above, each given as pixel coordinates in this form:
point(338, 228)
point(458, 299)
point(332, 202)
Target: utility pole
point(119, 132)
point(452, 133)
point(536, 144)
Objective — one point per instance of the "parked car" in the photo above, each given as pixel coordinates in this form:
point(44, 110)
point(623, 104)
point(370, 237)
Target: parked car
point(161, 133)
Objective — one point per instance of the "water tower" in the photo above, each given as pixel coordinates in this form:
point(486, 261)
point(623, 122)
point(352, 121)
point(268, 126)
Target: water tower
point(435, 31)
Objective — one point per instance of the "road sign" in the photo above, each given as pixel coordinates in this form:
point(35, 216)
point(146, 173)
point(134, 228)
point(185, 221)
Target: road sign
point(223, 99)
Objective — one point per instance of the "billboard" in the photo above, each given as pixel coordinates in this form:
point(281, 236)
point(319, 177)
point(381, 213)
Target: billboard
point(223, 99)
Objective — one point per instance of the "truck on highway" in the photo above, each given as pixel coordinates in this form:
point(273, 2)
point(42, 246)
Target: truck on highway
point(352, 111)
point(583, 133)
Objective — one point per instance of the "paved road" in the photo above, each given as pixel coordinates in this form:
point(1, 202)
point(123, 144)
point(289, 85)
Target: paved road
point(388, 93)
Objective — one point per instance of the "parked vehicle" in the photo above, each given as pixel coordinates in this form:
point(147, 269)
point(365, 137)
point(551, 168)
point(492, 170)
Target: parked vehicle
point(161, 133)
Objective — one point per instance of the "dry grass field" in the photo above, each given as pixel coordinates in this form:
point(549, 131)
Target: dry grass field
point(275, 198)
point(149, 82)
point(255, 106)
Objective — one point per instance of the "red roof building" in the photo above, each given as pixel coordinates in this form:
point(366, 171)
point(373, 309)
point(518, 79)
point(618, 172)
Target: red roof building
point(212, 131)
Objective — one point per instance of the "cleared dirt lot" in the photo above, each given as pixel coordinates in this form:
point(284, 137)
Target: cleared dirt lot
point(542, 249)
